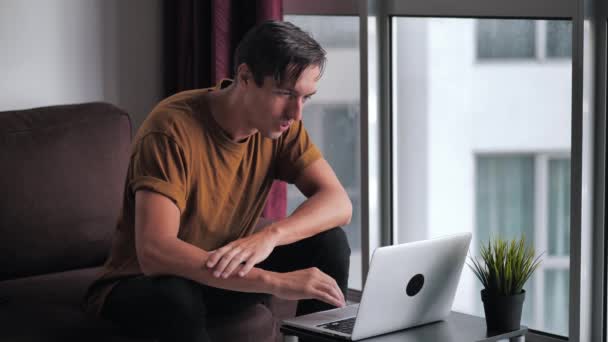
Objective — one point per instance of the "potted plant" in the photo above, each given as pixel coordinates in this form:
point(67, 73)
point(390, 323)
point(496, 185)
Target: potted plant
point(504, 268)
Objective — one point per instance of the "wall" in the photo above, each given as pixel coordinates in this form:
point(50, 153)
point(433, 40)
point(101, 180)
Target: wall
point(71, 51)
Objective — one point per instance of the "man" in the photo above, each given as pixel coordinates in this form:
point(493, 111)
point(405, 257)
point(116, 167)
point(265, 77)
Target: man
point(188, 241)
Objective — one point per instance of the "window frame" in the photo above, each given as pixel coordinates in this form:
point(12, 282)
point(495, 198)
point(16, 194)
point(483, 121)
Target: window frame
point(599, 18)
point(588, 299)
point(600, 249)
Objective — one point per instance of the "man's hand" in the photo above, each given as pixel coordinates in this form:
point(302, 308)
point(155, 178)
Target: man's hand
point(310, 283)
point(250, 250)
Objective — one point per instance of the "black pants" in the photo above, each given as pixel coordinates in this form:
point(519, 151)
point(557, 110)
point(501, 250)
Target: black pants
point(171, 308)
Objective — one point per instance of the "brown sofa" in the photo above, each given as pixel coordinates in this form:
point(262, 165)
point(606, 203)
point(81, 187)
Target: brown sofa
point(62, 170)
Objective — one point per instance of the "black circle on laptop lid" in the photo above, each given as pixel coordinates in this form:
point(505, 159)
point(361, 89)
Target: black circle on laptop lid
point(415, 285)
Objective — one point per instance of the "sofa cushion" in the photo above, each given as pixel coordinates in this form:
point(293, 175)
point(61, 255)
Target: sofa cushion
point(62, 175)
point(47, 308)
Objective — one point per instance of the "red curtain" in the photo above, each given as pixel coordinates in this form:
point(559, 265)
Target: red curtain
point(200, 37)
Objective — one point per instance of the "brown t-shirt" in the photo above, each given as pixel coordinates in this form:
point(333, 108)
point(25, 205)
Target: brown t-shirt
point(219, 186)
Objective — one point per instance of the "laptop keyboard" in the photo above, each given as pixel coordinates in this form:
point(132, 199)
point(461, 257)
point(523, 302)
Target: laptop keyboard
point(344, 326)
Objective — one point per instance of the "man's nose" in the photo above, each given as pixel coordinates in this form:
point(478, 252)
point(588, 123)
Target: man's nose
point(295, 112)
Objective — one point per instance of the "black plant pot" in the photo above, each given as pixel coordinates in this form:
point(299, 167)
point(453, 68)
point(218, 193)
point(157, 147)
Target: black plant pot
point(503, 313)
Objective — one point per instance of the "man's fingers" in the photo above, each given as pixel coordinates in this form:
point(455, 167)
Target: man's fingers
point(331, 282)
point(335, 293)
point(247, 267)
point(223, 263)
point(237, 260)
point(326, 297)
point(340, 295)
point(338, 290)
point(217, 254)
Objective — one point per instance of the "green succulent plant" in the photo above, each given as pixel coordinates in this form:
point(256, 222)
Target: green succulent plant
point(505, 265)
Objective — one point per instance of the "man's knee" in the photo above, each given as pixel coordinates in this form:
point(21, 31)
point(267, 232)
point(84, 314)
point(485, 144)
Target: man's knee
point(158, 307)
point(182, 298)
point(335, 241)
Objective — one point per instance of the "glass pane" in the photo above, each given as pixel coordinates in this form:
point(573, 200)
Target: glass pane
point(504, 205)
point(559, 207)
point(498, 38)
point(559, 39)
point(332, 117)
point(557, 282)
point(342, 153)
point(470, 144)
point(505, 197)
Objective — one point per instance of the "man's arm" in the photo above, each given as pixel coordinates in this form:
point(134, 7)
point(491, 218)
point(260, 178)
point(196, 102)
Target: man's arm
point(327, 206)
point(160, 251)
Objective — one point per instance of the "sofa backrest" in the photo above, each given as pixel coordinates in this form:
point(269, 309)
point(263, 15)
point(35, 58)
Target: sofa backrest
point(62, 171)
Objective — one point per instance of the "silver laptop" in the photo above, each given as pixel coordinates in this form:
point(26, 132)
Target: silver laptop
point(407, 285)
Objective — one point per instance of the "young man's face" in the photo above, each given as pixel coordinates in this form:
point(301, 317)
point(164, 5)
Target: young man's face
point(273, 108)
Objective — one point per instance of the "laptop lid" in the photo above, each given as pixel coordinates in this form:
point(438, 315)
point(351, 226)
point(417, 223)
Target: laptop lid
point(410, 284)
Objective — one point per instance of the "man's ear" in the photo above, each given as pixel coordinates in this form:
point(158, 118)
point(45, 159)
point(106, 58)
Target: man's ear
point(243, 74)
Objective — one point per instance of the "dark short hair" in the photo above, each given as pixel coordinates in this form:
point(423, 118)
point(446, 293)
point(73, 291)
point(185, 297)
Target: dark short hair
point(278, 49)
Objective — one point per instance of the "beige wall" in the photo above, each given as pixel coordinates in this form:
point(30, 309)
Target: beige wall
point(71, 51)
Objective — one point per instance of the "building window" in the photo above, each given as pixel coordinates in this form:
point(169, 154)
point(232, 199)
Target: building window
point(559, 39)
point(523, 39)
point(506, 39)
point(530, 194)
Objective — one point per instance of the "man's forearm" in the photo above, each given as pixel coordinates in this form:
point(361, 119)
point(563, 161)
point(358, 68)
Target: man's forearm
point(323, 210)
point(176, 257)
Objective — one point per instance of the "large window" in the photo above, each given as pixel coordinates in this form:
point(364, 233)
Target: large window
point(332, 117)
point(474, 150)
point(482, 125)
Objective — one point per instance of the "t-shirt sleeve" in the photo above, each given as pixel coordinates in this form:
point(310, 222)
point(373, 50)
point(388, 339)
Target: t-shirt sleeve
point(297, 151)
point(159, 164)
